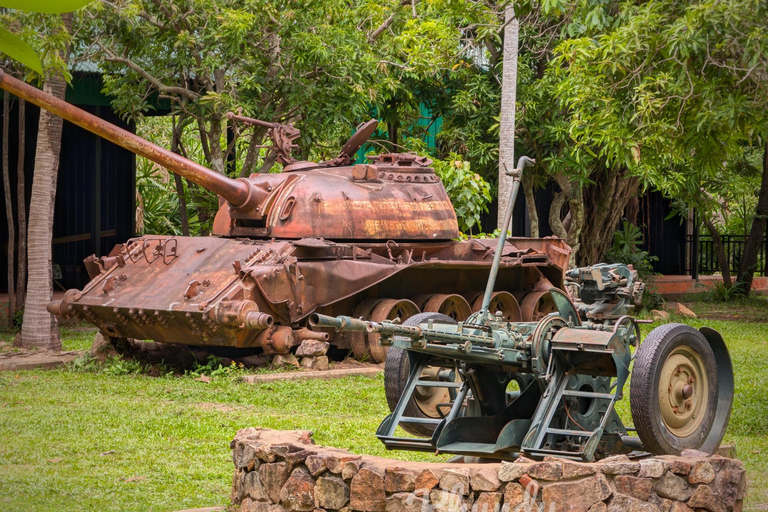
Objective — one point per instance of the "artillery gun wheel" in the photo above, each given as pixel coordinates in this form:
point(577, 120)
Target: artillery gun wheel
point(536, 305)
point(425, 400)
point(452, 305)
point(679, 390)
point(377, 310)
point(501, 301)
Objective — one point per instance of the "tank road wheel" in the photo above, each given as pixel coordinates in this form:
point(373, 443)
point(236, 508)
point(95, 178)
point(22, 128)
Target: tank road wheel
point(501, 301)
point(676, 393)
point(452, 305)
point(425, 401)
point(536, 305)
point(378, 310)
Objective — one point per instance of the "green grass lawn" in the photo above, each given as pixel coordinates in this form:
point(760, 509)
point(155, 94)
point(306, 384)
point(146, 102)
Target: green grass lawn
point(92, 441)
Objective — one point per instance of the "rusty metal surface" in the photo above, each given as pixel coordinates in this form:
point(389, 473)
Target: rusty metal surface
point(204, 290)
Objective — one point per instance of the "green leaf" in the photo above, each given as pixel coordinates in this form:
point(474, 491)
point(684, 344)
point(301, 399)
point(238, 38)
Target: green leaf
point(46, 6)
point(15, 48)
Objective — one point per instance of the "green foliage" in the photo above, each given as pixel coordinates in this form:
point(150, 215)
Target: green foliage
point(469, 192)
point(84, 363)
point(626, 249)
point(666, 90)
point(158, 209)
point(16, 47)
point(214, 368)
point(721, 292)
point(114, 366)
point(18, 319)
point(157, 204)
point(652, 299)
point(45, 6)
point(120, 366)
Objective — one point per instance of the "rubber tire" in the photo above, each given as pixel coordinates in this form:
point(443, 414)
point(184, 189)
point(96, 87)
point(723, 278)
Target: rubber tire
point(396, 371)
point(644, 388)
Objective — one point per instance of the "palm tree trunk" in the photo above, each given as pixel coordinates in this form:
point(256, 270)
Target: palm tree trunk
point(507, 118)
point(40, 328)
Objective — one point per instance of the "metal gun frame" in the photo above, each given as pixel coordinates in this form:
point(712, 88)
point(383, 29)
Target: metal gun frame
point(571, 368)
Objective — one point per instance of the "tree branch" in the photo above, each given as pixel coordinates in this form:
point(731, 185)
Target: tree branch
point(386, 23)
point(157, 84)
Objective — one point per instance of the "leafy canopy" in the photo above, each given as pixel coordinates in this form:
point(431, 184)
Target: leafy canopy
point(14, 46)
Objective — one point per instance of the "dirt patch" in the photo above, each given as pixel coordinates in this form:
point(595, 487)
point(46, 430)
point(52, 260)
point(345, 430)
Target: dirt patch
point(357, 370)
point(747, 310)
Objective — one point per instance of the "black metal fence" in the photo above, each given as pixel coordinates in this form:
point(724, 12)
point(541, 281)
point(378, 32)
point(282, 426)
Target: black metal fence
point(702, 249)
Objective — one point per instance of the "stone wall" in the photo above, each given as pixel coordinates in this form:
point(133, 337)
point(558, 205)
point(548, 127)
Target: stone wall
point(278, 471)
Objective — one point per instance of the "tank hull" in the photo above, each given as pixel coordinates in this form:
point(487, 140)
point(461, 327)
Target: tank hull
point(213, 291)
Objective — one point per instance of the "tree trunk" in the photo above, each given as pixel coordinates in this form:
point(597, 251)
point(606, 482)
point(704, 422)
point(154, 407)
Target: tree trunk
point(722, 258)
point(571, 228)
point(507, 114)
point(175, 138)
point(40, 328)
point(9, 210)
point(253, 152)
point(604, 204)
point(530, 204)
point(21, 209)
point(756, 233)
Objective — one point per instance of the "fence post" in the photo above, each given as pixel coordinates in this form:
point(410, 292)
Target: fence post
point(695, 247)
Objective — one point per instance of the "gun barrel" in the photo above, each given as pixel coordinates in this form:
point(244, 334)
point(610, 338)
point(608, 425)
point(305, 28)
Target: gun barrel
point(339, 323)
point(235, 192)
point(389, 329)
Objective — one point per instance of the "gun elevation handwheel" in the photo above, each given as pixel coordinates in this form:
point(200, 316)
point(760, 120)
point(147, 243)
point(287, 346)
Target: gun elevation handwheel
point(679, 391)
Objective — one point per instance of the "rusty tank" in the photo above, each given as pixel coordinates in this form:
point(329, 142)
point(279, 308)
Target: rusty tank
point(377, 240)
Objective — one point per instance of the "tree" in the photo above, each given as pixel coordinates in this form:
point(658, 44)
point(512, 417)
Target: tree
point(40, 328)
point(507, 116)
point(671, 93)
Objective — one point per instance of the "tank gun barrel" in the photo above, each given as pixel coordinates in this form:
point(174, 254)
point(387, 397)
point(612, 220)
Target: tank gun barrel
point(236, 192)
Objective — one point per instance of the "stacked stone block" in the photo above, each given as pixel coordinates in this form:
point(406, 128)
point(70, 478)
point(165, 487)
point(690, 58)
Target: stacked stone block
point(313, 354)
point(282, 471)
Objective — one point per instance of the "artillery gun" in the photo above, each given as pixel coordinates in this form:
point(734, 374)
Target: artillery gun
point(571, 367)
point(377, 240)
